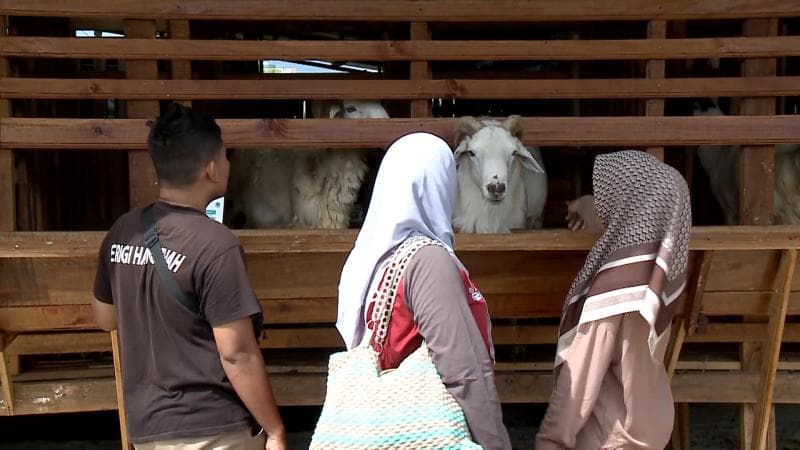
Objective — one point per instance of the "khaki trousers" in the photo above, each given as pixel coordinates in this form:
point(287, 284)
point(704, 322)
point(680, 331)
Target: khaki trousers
point(234, 440)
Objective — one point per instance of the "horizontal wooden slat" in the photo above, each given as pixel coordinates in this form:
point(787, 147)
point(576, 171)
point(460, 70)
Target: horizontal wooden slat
point(49, 88)
point(179, 49)
point(131, 134)
point(328, 337)
point(744, 303)
point(86, 244)
point(394, 10)
point(309, 389)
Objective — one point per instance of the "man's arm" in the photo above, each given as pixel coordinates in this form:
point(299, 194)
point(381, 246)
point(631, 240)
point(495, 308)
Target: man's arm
point(244, 365)
point(105, 315)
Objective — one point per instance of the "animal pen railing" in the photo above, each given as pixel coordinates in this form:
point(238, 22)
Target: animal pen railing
point(589, 75)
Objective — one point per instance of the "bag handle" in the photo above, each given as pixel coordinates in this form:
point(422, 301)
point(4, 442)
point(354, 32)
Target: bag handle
point(152, 242)
point(387, 290)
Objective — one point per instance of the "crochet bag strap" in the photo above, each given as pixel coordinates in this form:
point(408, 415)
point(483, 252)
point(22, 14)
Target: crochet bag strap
point(387, 290)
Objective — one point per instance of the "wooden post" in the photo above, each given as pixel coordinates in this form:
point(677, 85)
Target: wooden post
point(656, 29)
point(769, 367)
point(685, 325)
point(420, 70)
point(756, 203)
point(756, 190)
point(5, 377)
point(181, 70)
point(123, 419)
point(143, 187)
point(8, 208)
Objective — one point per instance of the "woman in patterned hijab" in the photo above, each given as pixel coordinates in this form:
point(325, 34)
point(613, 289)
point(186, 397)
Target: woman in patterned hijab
point(611, 388)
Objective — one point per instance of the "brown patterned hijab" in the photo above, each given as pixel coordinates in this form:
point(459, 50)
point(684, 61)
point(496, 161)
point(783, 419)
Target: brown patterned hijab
point(640, 261)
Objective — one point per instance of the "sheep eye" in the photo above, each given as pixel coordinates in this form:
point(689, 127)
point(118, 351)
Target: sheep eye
point(514, 153)
point(351, 109)
point(471, 153)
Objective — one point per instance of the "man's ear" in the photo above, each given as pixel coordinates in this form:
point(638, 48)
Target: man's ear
point(211, 171)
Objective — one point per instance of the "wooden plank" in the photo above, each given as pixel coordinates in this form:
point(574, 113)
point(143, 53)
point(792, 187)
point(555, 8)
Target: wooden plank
point(742, 243)
point(680, 432)
point(695, 305)
point(744, 304)
point(757, 171)
point(742, 332)
point(655, 70)
point(743, 271)
point(142, 175)
point(6, 383)
point(59, 343)
point(756, 192)
point(326, 336)
point(8, 209)
point(95, 394)
point(345, 50)
point(120, 396)
point(131, 134)
point(420, 70)
point(181, 70)
point(778, 309)
point(386, 10)
point(55, 88)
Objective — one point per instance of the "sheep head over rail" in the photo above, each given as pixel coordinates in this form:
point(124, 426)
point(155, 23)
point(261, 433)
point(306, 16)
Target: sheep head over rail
point(308, 188)
point(502, 184)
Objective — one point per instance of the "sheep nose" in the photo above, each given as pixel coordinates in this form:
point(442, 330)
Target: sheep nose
point(496, 188)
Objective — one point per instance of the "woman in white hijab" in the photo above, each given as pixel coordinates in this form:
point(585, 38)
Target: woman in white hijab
point(436, 300)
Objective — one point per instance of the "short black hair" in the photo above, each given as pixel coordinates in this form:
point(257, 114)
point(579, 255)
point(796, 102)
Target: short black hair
point(181, 142)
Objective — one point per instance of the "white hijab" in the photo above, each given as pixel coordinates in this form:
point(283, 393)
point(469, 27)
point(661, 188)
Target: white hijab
point(414, 194)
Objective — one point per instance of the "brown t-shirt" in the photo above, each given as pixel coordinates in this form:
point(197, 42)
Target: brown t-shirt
point(172, 377)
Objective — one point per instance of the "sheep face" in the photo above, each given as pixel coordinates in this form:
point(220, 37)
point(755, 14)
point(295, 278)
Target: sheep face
point(491, 153)
point(356, 109)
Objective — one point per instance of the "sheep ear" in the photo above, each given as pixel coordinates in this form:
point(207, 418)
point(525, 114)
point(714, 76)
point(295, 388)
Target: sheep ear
point(335, 111)
point(461, 150)
point(514, 126)
point(527, 160)
point(465, 127)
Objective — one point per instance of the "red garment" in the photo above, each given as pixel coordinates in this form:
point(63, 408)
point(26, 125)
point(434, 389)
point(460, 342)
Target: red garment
point(403, 336)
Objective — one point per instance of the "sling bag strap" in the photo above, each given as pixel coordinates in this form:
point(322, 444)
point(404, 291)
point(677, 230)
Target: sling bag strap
point(188, 301)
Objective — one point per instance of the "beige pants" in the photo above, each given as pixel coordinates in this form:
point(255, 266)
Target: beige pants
point(234, 440)
point(609, 394)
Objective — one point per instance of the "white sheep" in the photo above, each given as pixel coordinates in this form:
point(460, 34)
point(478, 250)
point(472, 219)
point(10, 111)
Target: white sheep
point(308, 188)
point(502, 184)
point(722, 164)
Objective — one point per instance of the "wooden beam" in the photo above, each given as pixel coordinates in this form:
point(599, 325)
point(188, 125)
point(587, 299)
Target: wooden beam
point(696, 300)
point(123, 421)
point(656, 29)
point(8, 207)
point(181, 70)
point(131, 134)
point(304, 388)
point(44, 245)
point(142, 176)
point(394, 11)
point(438, 50)
point(420, 70)
point(680, 432)
point(7, 385)
point(416, 89)
point(757, 166)
point(769, 366)
point(756, 200)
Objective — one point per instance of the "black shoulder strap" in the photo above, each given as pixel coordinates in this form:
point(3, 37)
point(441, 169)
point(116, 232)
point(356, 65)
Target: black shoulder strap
point(154, 244)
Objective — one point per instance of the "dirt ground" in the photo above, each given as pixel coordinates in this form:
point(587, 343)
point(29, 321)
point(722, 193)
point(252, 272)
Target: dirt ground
point(713, 427)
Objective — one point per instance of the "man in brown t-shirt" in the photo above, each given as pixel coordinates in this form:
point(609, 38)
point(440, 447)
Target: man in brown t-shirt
point(188, 380)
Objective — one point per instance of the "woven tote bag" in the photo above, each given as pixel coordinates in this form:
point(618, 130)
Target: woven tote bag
point(405, 408)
